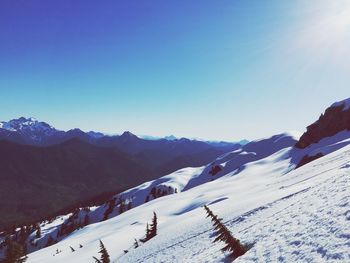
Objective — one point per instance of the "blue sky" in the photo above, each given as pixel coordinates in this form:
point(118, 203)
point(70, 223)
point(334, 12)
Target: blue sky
point(208, 69)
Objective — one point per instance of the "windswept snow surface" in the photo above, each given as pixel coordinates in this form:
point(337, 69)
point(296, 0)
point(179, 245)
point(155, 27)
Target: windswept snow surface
point(300, 215)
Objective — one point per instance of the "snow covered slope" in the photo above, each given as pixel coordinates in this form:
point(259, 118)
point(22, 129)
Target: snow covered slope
point(56, 229)
point(288, 215)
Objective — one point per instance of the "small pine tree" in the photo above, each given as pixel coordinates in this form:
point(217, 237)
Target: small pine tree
point(154, 192)
point(23, 234)
point(50, 241)
point(151, 231)
point(233, 245)
point(153, 226)
point(121, 206)
point(38, 232)
point(72, 249)
point(14, 253)
point(111, 205)
point(145, 239)
point(86, 220)
point(104, 254)
point(136, 244)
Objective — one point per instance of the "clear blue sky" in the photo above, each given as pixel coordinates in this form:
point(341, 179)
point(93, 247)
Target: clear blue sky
point(210, 69)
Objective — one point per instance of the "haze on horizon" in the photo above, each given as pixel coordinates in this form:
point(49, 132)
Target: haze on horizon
point(223, 70)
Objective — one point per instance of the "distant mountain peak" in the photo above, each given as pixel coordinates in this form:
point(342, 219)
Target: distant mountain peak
point(24, 119)
point(128, 134)
point(95, 134)
point(24, 123)
point(243, 142)
point(75, 131)
point(170, 138)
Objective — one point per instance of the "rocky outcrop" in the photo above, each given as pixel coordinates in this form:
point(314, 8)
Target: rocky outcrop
point(335, 119)
point(307, 159)
point(215, 169)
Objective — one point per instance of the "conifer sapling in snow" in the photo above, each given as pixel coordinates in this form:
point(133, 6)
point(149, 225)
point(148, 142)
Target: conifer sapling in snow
point(109, 210)
point(50, 241)
point(136, 244)
point(121, 206)
point(86, 220)
point(14, 253)
point(104, 254)
point(147, 234)
point(38, 232)
point(151, 231)
point(233, 245)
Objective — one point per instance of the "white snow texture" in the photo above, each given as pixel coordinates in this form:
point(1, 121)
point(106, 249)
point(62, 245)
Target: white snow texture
point(286, 214)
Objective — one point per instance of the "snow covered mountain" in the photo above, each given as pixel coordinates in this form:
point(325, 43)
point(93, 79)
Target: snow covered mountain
point(162, 155)
point(272, 194)
point(33, 132)
point(26, 130)
point(27, 124)
point(50, 163)
point(286, 215)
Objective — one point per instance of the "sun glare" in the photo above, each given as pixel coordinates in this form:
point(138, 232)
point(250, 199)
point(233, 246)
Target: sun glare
point(325, 33)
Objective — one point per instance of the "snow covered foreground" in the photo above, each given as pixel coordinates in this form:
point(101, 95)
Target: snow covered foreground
point(288, 215)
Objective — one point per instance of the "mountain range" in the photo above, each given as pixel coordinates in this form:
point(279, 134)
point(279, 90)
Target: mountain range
point(285, 197)
point(45, 170)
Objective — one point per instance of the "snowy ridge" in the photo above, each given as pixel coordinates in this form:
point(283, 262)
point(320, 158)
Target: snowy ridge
point(323, 147)
point(23, 124)
point(275, 154)
point(289, 200)
point(30, 128)
point(166, 185)
point(234, 162)
point(295, 216)
point(248, 171)
point(181, 180)
point(345, 103)
point(51, 229)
